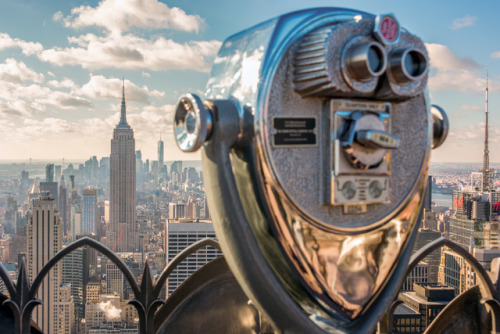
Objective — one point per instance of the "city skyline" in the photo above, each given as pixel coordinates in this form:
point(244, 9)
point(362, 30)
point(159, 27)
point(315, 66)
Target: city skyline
point(62, 65)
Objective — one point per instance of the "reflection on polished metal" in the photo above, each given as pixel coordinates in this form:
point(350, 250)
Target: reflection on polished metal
point(324, 196)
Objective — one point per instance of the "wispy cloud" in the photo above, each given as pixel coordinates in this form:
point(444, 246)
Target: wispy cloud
point(463, 22)
point(470, 108)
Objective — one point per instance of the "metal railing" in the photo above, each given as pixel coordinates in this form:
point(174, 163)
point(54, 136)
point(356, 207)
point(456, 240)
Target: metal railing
point(487, 291)
point(146, 299)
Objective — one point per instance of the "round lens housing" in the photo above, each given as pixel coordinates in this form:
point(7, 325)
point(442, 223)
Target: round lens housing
point(192, 123)
point(407, 65)
point(366, 60)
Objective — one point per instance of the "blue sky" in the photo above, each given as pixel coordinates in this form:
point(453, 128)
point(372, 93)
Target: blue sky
point(61, 63)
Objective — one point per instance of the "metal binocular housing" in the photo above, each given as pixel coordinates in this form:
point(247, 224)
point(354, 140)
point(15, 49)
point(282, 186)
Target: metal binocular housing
point(316, 133)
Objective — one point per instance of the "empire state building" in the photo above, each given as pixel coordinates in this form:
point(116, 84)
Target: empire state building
point(121, 236)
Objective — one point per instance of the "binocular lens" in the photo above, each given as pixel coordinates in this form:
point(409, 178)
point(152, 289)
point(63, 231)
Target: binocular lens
point(366, 60)
point(375, 59)
point(407, 65)
point(190, 122)
point(414, 63)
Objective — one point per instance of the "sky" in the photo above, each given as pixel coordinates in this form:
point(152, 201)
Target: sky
point(62, 64)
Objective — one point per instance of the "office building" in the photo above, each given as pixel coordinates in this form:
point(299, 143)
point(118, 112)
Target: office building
point(178, 236)
point(122, 235)
point(51, 188)
point(176, 210)
point(432, 260)
point(49, 173)
point(65, 316)
point(44, 240)
point(89, 211)
point(63, 204)
point(114, 279)
point(427, 301)
point(455, 272)
point(419, 274)
point(161, 150)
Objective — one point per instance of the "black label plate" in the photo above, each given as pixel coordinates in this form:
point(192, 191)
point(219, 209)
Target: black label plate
point(294, 131)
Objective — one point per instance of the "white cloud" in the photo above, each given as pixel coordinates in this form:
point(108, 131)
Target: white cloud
point(20, 108)
point(18, 72)
point(146, 74)
point(454, 73)
point(443, 58)
point(118, 16)
point(462, 22)
point(28, 48)
point(132, 52)
point(100, 87)
point(470, 108)
point(64, 83)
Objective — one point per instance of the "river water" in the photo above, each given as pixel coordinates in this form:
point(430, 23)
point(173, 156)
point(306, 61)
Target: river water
point(442, 199)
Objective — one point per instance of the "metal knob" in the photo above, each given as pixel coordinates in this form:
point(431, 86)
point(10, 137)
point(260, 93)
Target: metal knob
point(377, 139)
point(440, 126)
point(364, 140)
point(192, 123)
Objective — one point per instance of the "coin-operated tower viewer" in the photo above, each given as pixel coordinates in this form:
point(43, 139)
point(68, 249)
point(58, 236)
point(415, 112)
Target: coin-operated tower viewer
point(316, 134)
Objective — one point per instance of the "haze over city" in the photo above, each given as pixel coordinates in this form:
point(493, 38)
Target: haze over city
point(61, 66)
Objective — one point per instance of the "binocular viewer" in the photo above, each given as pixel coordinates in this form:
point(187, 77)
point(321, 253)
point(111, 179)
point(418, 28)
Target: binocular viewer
point(316, 132)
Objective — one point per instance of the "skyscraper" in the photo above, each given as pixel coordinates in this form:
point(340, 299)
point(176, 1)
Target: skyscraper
point(89, 211)
point(49, 173)
point(121, 236)
point(63, 204)
point(178, 236)
point(44, 240)
point(160, 153)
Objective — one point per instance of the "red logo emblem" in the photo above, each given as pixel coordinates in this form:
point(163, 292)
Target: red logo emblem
point(389, 28)
point(496, 207)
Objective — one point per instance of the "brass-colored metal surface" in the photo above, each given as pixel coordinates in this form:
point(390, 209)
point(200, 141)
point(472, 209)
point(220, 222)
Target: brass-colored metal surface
point(343, 260)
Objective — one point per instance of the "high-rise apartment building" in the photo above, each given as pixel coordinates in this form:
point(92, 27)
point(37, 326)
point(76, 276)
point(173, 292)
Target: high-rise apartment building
point(44, 240)
point(121, 236)
point(89, 211)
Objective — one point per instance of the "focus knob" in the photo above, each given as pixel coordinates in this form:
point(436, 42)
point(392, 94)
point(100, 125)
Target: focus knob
point(440, 126)
point(192, 123)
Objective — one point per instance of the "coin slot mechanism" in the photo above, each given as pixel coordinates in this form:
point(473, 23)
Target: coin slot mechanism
point(359, 172)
